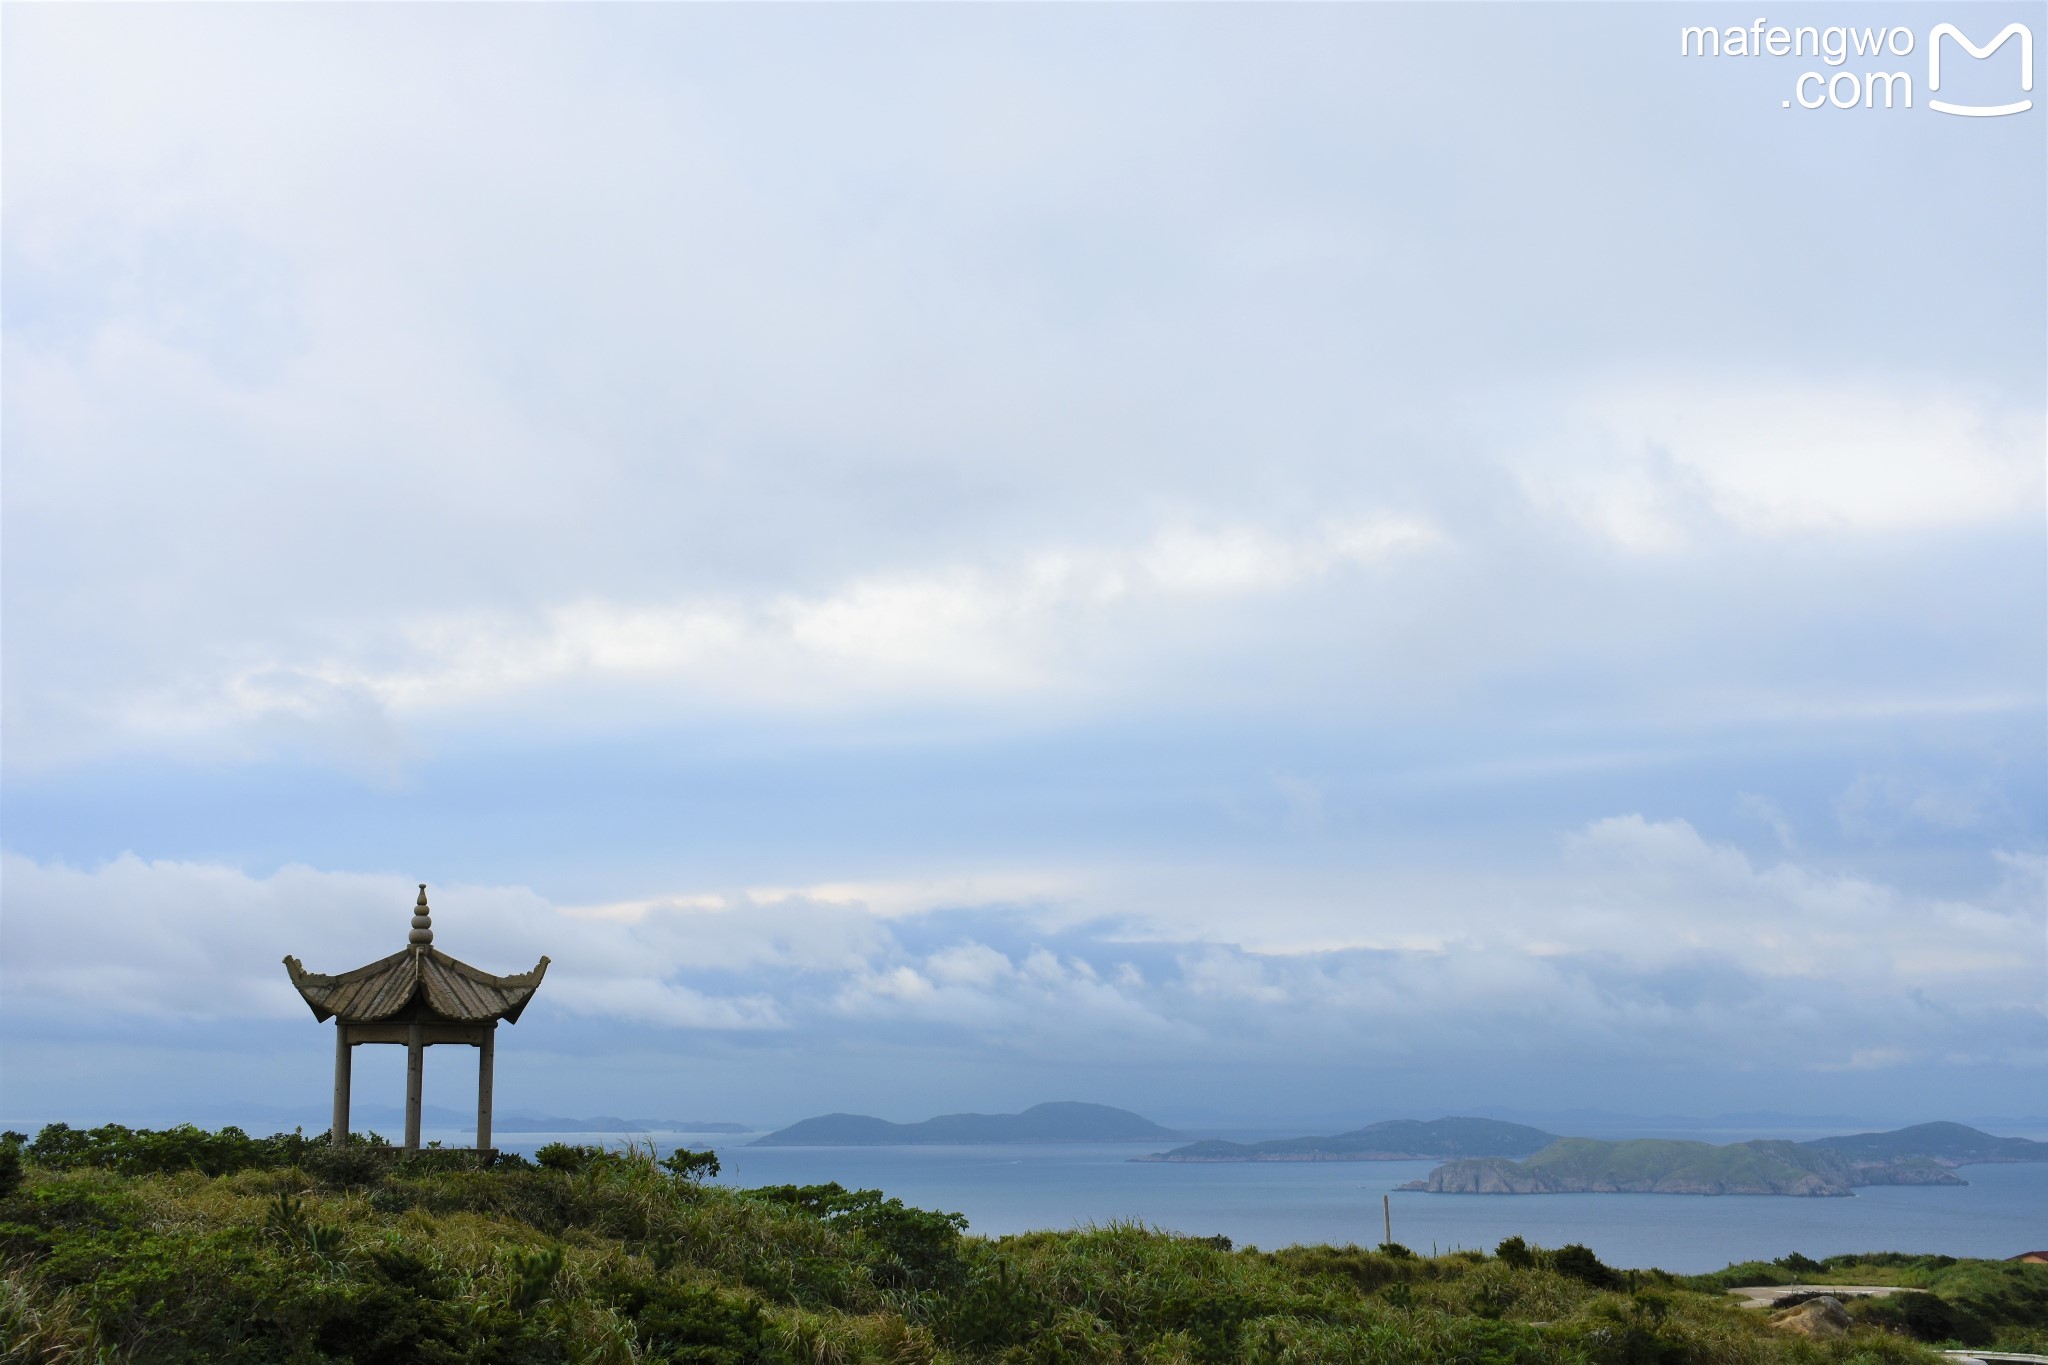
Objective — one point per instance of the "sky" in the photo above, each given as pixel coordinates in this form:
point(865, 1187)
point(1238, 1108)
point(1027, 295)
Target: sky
point(1268, 565)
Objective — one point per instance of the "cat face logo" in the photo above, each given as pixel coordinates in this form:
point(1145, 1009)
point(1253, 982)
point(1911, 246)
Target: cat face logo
point(1941, 31)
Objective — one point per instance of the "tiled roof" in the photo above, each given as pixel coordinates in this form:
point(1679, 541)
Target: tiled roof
point(454, 990)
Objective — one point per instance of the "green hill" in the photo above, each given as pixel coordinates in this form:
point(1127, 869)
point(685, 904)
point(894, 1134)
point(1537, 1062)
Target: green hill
point(1667, 1166)
point(190, 1248)
point(1393, 1140)
point(1953, 1143)
point(1061, 1121)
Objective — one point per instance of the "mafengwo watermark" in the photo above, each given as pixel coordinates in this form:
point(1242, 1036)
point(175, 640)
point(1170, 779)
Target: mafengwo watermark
point(1853, 63)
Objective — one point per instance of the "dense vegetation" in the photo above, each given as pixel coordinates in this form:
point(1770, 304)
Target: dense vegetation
point(185, 1247)
point(1976, 1303)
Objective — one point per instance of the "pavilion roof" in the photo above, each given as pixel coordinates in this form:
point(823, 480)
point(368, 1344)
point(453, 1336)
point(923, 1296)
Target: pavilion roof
point(417, 973)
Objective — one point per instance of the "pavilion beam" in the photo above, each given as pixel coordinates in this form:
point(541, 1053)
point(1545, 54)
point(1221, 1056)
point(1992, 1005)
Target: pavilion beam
point(343, 1055)
point(415, 1069)
point(484, 1053)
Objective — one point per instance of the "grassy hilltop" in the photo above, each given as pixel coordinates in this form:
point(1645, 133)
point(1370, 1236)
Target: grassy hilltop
point(185, 1247)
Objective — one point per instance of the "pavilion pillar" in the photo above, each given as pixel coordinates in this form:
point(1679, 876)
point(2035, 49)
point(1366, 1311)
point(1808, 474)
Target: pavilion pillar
point(484, 1051)
point(343, 1055)
point(415, 1068)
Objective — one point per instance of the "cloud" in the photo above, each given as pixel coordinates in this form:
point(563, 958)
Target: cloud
point(330, 427)
point(1877, 806)
point(1642, 937)
point(1084, 543)
point(1050, 624)
point(1766, 812)
point(1657, 464)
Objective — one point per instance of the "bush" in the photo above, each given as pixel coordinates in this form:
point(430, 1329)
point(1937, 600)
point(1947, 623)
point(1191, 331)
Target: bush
point(363, 1162)
point(685, 1164)
point(1579, 1263)
point(994, 1308)
point(10, 1163)
point(907, 1248)
point(1363, 1270)
point(689, 1323)
point(145, 1151)
point(569, 1158)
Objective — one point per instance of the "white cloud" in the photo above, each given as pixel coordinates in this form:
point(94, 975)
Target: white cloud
point(1655, 463)
point(948, 633)
point(1645, 935)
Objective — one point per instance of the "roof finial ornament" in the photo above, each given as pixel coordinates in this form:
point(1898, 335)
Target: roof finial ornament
point(422, 923)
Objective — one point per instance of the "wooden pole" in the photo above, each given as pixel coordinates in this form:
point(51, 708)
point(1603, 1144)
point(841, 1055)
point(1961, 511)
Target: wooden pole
point(1387, 1214)
point(342, 1057)
point(415, 1067)
point(483, 1086)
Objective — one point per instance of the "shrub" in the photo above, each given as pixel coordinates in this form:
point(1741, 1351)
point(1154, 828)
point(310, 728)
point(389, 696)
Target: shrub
point(1363, 1270)
point(907, 1248)
point(145, 1151)
point(994, 1308)
point(1579, 1263)
point(10, 1163)
point(1924, 1317)
point(690, 1166)
point(688, 1323)
point(569, 1158)
point(533, 1274)
point(361, 1163)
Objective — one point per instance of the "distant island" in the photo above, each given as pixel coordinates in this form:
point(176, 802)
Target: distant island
point(1924, 1154)
point(1952, 1144)
point(1393, 1140)
point(1060, 1121)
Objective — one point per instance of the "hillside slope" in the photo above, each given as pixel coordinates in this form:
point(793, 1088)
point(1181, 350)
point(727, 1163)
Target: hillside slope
point(286, 1249)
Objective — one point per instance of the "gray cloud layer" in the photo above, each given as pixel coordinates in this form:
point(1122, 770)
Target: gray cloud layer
point(1178, 527)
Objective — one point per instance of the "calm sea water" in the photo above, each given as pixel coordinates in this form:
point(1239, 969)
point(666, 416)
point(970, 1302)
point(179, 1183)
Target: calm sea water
point(2001, 1212)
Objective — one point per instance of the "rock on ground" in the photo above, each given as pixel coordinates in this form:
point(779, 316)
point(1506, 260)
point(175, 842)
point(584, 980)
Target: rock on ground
point(1821, 1317)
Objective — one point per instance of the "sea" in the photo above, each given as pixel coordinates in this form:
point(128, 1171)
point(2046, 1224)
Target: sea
point(1010, 1189)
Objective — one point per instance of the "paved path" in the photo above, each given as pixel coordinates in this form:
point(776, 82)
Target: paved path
point(1994, 1358)
point(1769, 1295)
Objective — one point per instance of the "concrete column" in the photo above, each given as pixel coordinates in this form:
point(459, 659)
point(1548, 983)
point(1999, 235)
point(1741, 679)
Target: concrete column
point(342, 1057)
point(484, 1050)
point(415, 1067)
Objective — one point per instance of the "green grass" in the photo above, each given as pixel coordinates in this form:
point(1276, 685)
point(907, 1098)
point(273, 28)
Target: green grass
point(307, 1255)
point(1993, 1304)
